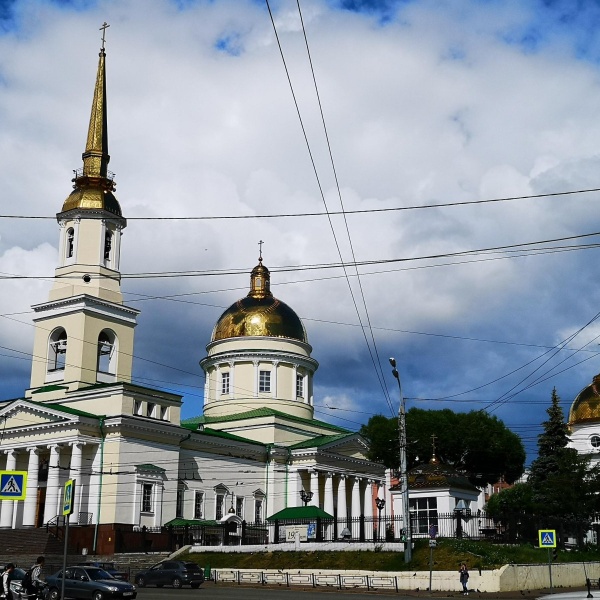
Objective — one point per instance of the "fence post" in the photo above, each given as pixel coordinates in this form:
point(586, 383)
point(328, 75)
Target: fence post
point(319, 530)
point(276, 533)
point(361, 528)
point(243, 533)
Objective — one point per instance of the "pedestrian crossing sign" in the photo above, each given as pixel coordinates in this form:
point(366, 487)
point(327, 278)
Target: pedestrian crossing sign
point(547, 538)
point(69, 497)
point(13, 485)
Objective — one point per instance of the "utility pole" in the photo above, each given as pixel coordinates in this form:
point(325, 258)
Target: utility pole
point(403, 468)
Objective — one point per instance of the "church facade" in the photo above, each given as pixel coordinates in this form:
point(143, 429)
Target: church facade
point(135, 461)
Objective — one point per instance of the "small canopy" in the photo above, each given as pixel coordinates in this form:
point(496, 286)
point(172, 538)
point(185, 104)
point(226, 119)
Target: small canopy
point(293, 513)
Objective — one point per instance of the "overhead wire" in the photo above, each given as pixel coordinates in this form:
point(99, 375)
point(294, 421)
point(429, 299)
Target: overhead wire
point(322, 195)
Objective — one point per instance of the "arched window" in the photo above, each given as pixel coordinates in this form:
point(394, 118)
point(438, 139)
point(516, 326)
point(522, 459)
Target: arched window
point(107, 356)
point(70, 245)
point(57, 350)
point(108, 242)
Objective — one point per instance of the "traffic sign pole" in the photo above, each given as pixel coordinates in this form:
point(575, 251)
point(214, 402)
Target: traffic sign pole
point(550, 567)
point(67, 511)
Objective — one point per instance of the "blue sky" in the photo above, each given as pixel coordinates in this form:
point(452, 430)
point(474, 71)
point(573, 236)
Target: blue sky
point(425, 103)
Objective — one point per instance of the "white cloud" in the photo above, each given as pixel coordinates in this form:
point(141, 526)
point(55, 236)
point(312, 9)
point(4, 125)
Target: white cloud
point(432, 106)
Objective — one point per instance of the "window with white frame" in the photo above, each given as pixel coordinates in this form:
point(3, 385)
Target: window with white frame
point(198, 505)
point(299, 385)
point(147, 489)
point(225, 382)
point(164, 413)
point(239, 507)
point(219, 506)
point(150, 409)
point(179, 503)
point(258, 510)
point(264, 381)
point(423, 513)
point(137, 407)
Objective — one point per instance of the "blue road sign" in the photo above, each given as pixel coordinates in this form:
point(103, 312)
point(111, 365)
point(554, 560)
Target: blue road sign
point(13, 485)
point(69, 497)
point(547, 538)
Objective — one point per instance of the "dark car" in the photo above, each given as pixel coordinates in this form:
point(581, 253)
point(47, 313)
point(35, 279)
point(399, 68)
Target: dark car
point(109, 567)
point(171, 572)
point(88, 582)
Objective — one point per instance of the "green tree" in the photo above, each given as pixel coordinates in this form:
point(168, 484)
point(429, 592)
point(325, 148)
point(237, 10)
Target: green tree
point(475, 442)
point(563, 481)
point(514, 500)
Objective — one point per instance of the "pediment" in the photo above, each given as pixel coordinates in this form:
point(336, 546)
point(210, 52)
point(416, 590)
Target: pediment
point(23, 414)
point(353, 447)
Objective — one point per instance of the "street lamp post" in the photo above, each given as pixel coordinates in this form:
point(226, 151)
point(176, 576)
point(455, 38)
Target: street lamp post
point(380, 503)
point(403, 468)
point(305, 496)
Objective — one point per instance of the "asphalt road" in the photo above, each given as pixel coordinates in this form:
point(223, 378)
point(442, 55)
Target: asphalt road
point(212, 591)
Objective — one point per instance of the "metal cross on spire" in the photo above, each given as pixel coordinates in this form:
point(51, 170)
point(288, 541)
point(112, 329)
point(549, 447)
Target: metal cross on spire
point(105, 25)
point(260, 250)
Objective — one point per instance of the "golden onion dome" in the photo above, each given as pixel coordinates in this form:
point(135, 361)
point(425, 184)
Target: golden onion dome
point(259, 313)
point(586, 407)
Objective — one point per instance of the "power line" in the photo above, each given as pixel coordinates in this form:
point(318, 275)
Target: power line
point(341, 212)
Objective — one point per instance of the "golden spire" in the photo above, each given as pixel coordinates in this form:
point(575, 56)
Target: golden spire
point(93, 185)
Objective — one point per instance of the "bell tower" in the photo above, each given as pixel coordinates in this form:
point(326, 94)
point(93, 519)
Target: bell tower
point(84, 333)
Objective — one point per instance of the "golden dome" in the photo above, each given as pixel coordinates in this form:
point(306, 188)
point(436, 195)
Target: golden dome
point(586, 407)
point(259, 313)
point(92, 198)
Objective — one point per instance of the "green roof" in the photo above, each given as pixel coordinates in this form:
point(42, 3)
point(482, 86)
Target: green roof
point(264, 412)
point(299, 512)
point(217, 433)
point(69, 410)
point(128, 385)
point(321, 440)
point(150, 467)
point(50, 388)
point(189, 523)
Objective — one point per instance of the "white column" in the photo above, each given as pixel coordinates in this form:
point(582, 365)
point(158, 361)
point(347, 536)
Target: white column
point(30, 504)
point(256, 375)
point(52, 489)
point(368, 510)
point(328, 494)
point(342, 507)
point(355, 509)
point(217, 382)
point(314, 488)
point(305, 382)
point(8, 505)
point(293, 497)
point(75, 473)
point(294, 375)
point(231, 379)
point(389, 507)
point(274, 382)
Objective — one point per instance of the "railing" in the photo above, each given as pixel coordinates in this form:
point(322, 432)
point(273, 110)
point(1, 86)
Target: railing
point(511, 528)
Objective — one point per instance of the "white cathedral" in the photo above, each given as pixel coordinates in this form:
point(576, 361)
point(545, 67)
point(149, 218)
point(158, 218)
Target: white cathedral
point(135, 462)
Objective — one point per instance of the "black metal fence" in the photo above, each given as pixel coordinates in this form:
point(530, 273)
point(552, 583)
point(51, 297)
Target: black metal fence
point(511, 528)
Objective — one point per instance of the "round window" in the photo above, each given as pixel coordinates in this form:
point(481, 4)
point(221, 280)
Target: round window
point(595, 441)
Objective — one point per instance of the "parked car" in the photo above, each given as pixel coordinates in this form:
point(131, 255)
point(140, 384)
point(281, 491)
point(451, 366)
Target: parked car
point(171, 572)
point(109, 567)
point(88, 582)
point(15, 582)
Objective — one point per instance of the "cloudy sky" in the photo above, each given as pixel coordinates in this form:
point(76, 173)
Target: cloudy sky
point(432, 110)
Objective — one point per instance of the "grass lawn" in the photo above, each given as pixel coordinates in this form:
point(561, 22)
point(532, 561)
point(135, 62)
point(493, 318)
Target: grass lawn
point(446, 557)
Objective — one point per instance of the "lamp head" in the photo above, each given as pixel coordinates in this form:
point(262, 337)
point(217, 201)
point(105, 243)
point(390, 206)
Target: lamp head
point(393, 362)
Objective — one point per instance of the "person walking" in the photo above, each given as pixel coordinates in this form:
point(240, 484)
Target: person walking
point(34, 583)
point(464, 578)
point(7, 576)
